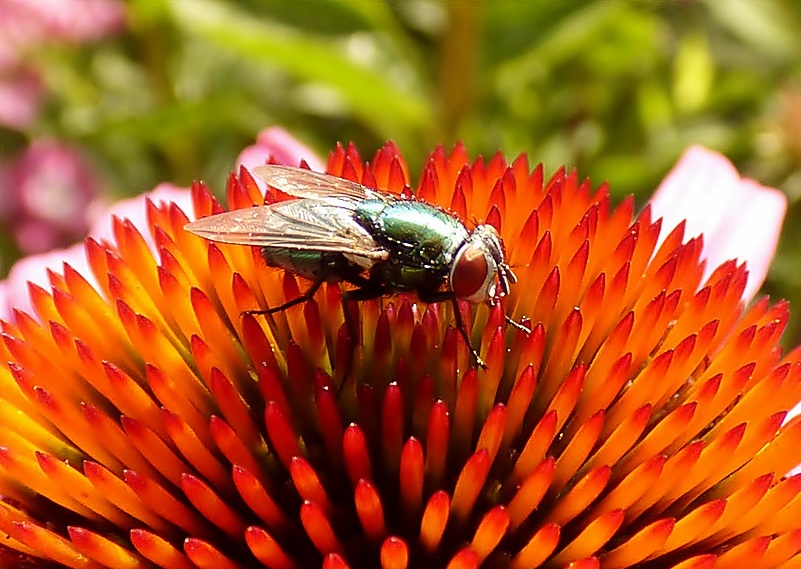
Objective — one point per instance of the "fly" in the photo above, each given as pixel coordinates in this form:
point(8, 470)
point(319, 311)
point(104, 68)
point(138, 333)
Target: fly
point(336, 230)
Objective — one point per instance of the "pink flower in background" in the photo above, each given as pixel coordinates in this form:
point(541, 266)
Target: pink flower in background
point(27, 21)
point(740, 218)
point(27, 25)
point(282, 147)
point(20, 97)
point(48, 194)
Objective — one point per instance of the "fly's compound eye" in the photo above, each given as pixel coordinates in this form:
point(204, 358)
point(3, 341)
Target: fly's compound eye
point(470, 274)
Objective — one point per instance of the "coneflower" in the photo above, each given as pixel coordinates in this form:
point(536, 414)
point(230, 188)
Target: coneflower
point(641, 422)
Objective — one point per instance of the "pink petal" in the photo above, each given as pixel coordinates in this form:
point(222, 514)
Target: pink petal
point(134, 209)
point(740, 219)
point(5, 304)
point(14, 290)
point(277, 143)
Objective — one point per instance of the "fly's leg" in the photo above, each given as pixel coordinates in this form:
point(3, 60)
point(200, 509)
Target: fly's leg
point(463, 330)
point(367, 291)
point(442, 296)
point(290, 303)
point(515, 324)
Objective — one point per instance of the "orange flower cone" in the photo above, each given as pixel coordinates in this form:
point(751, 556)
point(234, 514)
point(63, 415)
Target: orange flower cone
point(641, 422)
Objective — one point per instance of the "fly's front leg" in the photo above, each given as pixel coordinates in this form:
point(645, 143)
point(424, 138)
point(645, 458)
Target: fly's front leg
point(442, 296)
point(308, 295)
point(517, 325)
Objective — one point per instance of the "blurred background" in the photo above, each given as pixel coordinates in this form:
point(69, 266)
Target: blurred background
point(103, 99)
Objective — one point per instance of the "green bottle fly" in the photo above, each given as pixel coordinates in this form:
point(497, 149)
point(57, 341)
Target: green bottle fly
point(336, 230)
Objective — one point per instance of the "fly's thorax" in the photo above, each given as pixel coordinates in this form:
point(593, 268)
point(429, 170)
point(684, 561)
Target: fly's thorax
point(479, 267)
point(416, 235)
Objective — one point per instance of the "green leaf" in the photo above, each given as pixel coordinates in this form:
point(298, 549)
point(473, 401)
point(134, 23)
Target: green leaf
point(767, 25)
point(385, 98)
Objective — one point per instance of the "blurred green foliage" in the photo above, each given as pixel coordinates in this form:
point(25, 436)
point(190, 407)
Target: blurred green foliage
point(617, 88)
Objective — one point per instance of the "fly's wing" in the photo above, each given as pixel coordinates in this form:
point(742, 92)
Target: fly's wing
point(309, 224)
point(301, 183)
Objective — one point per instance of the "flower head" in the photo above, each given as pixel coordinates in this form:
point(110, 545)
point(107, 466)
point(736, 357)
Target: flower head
point(640, 422)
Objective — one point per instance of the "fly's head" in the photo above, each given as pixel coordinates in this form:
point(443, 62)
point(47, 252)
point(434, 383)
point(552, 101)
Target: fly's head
point(479, 272)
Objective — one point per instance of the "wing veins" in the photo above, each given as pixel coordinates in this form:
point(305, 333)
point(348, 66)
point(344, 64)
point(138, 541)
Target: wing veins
point(302, 183)
point(301, 224)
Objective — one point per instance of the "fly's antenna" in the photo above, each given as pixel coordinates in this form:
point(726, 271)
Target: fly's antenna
point(472, 221)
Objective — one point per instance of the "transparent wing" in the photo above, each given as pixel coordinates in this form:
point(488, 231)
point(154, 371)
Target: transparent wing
point(306, 224)
point(302, 183)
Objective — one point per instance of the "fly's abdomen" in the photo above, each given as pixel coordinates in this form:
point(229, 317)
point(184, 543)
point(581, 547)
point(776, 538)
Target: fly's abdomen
point(307, 264)
point(312, 265)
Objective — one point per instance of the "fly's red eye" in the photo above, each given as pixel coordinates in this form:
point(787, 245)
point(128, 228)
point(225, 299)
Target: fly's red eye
point(469, 273)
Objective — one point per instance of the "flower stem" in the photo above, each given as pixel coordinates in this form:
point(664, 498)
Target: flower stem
point(457, 65)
